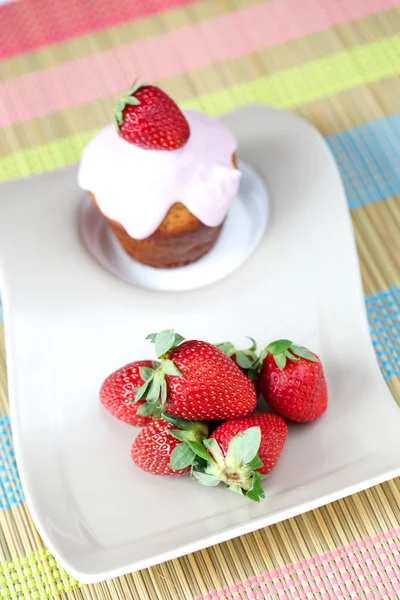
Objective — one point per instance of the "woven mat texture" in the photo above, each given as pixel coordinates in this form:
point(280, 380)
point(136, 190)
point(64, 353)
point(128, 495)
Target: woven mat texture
point(333, 62)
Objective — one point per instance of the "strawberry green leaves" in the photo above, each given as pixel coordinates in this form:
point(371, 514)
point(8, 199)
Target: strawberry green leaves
point(303, 353)
point(191, 434)
point(237, 469)
point(190, 452)
point(199, 450)
point(215, 451)
point(291, 356)
point(282, 351)
point(154, 389)
point(255, 491)
point(197, 429)
point(244, 447)
point(165, 341)
point(206, 479)
point(147, 372)
point(127, 98)
point(149, 410)
point(278, 347)
point(181, 457)
point(256, 367)
point(169, 368)
point(244, 358)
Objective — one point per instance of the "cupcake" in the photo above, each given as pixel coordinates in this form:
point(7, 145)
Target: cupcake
point(163, 179)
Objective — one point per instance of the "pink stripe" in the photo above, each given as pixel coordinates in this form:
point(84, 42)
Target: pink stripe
point(339, 573)
point(108, 73)
point(30, 24)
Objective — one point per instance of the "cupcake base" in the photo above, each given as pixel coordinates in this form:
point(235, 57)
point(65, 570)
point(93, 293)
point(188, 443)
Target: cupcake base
point(180, 240)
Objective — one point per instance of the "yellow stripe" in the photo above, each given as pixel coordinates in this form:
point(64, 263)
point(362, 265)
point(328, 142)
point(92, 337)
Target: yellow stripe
point(285, 89)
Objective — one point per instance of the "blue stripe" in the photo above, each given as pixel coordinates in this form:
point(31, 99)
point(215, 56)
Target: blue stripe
point(384, 319)
point(10, 484)
point(368, 158)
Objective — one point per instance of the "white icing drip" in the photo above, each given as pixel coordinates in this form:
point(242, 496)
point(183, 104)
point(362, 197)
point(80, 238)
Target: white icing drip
point(137, 187)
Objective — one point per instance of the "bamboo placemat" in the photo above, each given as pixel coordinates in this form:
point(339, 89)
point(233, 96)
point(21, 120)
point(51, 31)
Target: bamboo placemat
point(334, 62)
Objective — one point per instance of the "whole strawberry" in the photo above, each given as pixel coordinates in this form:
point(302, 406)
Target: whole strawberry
point(153, 447)
point(197, 381)
point(240, 451)
point(146, 117)
point(292, 381)
point(117, 394)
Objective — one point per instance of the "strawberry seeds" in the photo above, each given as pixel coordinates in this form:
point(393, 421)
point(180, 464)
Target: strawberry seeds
point(192, 384)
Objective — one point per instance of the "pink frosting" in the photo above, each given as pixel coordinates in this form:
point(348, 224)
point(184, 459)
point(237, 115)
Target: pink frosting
point(137, 187)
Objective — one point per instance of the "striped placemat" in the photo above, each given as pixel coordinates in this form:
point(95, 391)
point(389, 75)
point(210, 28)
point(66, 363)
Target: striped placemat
point(337, 64)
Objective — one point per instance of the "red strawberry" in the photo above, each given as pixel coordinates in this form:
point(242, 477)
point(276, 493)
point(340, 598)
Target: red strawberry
point(197, 381)
point(118, 393)
point(147, 117)
point(152, 449)
point(292, 381)
point(212, 387)
point(241, 450)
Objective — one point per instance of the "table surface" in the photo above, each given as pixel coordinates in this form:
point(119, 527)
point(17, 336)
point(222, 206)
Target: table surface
point(337, 64)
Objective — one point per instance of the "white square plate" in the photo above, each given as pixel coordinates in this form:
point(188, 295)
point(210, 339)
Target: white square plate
point(69, 323)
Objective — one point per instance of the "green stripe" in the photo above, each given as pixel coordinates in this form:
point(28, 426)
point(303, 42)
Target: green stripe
point(310, 81)
point(286, 89)
point(30, 161)
point(34, 576)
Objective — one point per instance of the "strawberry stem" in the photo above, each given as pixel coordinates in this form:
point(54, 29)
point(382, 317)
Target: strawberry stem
point(191, 434)
point(282, 351)
point(243, 358)
point(237, 469)
point(154, 389)
point(127, 98)
point(165, 341)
